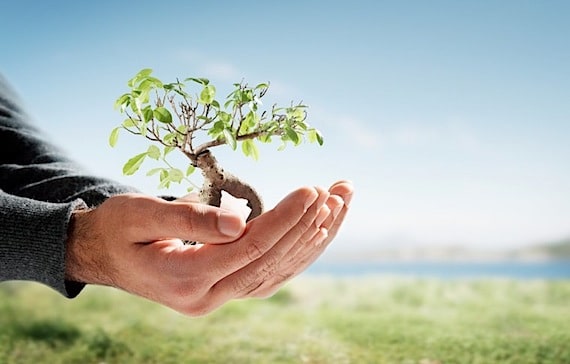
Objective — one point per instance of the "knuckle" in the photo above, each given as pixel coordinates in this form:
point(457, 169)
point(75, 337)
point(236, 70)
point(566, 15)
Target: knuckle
point(186, 219)
point(181, 291)
point(272, 287)
point(254, 250)
point(304, 224)
point(201, 308)
point(243, 285)
point(251, 290)
point(269, 266)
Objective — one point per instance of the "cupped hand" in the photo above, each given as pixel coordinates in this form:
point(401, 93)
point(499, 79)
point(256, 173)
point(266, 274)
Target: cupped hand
point(133, 242)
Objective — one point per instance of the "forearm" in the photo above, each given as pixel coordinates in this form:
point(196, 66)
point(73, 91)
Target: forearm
point(32, 241)
point(39, 189)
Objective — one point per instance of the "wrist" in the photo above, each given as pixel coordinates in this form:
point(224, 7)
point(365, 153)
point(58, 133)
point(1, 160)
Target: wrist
point(83, 261)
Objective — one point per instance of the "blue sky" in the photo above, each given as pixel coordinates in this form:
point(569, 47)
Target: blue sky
point(451, 117)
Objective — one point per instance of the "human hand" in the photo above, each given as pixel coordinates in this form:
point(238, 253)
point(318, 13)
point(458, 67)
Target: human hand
point(126, 243)
point(301, 256)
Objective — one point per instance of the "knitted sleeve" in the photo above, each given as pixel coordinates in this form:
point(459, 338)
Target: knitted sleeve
point(39, 189)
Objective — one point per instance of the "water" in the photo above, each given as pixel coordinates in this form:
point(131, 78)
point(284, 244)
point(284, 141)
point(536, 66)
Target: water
point(449, 270)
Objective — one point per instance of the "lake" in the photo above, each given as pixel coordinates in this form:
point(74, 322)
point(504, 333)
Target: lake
point(559, 269)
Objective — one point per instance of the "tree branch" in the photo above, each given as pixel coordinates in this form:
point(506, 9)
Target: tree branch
point(216, 142)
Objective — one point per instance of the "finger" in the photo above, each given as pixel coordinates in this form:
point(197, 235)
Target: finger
point(301, 259)
point(254, 273)
point(322, 215)
point(292, 267)
point(261, 233)
point(343, 189)
point(191, 197)
point(154, 219)
point(334, 205)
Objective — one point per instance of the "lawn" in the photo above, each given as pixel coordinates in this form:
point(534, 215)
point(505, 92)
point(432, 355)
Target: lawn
point(312, 320)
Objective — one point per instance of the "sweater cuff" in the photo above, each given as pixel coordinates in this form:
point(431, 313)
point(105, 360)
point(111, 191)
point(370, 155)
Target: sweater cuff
point(32, 245)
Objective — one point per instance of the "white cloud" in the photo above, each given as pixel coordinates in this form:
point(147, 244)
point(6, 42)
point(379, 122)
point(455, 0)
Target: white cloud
point(411, 135)
point(359, 133)
point(223, 71)
point(349, 128)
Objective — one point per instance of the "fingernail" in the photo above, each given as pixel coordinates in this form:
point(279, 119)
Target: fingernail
point(338, 204)
point(229, 224)
point(336, 211)
point(321, 217)
point(324, 233)
point(347, 198)
point(309, 202)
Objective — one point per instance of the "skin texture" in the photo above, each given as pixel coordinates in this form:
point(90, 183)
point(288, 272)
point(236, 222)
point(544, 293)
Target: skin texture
point(135, 242)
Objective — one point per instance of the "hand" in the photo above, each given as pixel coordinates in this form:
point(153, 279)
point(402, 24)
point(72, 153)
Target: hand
point(300, 257)
point(127, 243)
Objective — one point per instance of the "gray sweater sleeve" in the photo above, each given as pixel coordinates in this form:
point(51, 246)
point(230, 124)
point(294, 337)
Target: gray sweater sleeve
point(39, 189)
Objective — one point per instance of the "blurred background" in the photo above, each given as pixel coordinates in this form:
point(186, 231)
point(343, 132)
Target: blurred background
point(451, 118)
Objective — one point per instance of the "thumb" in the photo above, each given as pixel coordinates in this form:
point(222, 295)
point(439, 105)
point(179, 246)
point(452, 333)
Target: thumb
point(187, 221)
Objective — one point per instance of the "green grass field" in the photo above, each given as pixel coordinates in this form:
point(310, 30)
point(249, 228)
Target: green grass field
point(312, 320)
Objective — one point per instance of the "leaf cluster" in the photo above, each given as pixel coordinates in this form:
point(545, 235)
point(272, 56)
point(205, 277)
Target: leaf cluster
point(187, 115)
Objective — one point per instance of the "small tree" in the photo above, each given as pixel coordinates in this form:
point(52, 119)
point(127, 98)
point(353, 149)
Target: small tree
point(174, 118)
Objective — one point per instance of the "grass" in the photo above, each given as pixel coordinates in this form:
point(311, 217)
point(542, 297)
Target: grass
point(312, 320)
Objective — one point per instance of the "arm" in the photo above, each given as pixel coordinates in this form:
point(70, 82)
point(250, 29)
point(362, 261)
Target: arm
point(32, 167)
point(39, 190)
point(110, 248)
point(32, 235)
point(51, 233)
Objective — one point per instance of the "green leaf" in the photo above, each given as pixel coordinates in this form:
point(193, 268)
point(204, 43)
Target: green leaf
point(146, 85)
point(143, 129)
point(163, 174)
point(135, 106)
point(139, 76)
point(250, 149)
point(225, 117)
point(292, 135)
point(207, 95)
point(163, 115)
point(217, 129)
point(190, 170)
point(114, 136)
point(181, 92)
point(201, 81)
point(228, 103)
point(153, 152)
point(167, 150)
point(133, 164)
point(147, 113)
point(165, 183)
point(155, 81)
point(315, 136)
point(230, 138)
point(129, 123)
point(170, 138)
point(320, 138)
point(154, 171)
point(122, 100)
point(182, 129)
point(175, 175)
point(264, 138)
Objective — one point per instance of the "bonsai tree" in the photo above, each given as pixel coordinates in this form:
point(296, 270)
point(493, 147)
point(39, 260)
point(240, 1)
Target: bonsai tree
point(172, 116)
